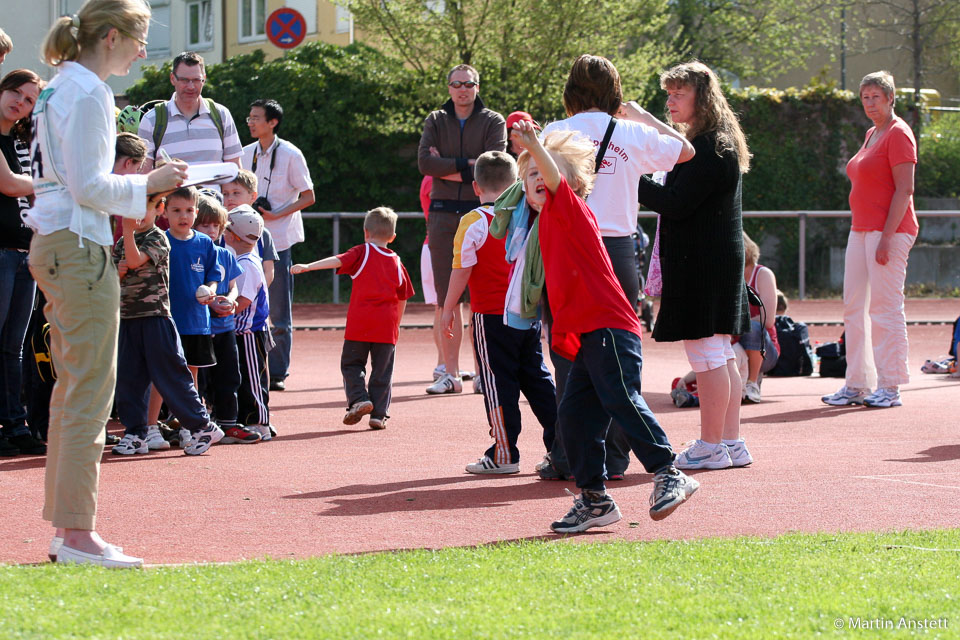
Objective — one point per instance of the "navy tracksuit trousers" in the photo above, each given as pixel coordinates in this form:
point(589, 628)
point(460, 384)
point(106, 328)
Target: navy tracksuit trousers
point(510, 362)
point(149, 350)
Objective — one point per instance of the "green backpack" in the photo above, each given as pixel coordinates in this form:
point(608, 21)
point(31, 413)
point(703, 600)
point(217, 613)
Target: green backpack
point(160, 128)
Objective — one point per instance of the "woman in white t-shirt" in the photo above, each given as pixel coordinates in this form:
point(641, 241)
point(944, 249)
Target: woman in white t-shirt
point(72, 160)
point(639, 144)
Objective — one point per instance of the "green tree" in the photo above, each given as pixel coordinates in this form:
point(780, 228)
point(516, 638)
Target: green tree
point(522, 48)
point(754, 38)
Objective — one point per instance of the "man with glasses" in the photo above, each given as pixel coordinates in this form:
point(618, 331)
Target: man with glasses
point(192, 132)
point(453, 138)
point(285, 188)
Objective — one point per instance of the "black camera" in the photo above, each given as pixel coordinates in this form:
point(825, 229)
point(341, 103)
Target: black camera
point(261, 203)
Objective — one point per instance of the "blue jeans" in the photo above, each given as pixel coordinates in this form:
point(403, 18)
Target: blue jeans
point(281, 315)
point(752, 341)
point(16, 304)
point(604, 383)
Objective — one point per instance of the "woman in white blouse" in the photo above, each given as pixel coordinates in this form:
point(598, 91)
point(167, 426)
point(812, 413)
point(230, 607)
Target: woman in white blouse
point(72, 158)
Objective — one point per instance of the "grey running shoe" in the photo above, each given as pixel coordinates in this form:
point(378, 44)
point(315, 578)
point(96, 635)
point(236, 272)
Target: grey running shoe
point(587, 513)
point(671, 488)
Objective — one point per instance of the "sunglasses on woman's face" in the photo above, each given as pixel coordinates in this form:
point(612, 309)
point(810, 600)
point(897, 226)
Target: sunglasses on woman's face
point(469, 84)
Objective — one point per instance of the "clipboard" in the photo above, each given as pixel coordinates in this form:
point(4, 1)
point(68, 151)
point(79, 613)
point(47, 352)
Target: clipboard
point(212, 173)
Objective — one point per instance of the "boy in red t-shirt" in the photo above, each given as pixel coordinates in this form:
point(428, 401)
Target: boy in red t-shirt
point(509, 360)
point(595, 326)
point(381, 288)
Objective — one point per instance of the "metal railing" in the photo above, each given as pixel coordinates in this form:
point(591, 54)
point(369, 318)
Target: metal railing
point(337, 216)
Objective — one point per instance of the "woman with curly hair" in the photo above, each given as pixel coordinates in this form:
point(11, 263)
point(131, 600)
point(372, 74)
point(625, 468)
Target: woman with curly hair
point(704, 297)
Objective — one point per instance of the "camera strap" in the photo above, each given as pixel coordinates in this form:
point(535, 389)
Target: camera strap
point(273, 162)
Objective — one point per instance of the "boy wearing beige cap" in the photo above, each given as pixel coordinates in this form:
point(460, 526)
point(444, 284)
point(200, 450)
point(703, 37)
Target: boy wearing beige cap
point(244, 228)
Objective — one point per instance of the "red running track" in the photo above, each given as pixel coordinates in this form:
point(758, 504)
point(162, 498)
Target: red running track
point(322, 487)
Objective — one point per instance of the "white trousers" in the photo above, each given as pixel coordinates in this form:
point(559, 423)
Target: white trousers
point(876, 351)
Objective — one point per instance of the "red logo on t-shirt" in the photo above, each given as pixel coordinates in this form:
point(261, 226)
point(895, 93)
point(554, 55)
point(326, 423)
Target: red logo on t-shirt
point(609, 165)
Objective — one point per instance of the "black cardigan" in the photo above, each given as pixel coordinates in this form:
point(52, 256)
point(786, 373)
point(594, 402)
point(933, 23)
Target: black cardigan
point(701, 246)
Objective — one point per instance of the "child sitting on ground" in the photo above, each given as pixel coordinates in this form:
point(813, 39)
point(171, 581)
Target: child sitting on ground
point(595, 326)
point(509, 360)
point(148, 347)
point(379, 296)
point(219, 384)
point(244, 229)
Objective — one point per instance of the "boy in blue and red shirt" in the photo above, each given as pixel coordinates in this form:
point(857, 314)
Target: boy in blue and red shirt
point(509, 358)
point(595, 326)
point(379, 296)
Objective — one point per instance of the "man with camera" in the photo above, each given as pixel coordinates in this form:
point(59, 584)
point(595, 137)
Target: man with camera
point(285, 188)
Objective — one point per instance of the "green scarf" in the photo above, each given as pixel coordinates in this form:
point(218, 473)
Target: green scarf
point(510, 214)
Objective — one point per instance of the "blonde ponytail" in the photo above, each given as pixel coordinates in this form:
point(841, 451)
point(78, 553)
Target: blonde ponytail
point(61, 43)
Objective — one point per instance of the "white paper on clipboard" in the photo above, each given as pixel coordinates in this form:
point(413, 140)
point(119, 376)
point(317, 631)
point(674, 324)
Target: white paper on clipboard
point(213, 173)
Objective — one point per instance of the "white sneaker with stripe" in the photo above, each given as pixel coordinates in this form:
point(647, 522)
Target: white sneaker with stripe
point(486, 466)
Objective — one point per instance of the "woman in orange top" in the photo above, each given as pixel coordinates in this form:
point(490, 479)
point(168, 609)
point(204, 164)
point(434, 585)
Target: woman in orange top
point(883, 230)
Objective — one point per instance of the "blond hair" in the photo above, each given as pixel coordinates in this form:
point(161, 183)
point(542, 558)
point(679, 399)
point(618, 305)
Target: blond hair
point(751, 251)
point(246, 179)
point(380, 223)
point(209, 211)
point(575, 156)
point(6, 44)
point(69, 35)
point(712, 112)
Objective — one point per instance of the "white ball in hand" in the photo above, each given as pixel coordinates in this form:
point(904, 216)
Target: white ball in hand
point(204, 294)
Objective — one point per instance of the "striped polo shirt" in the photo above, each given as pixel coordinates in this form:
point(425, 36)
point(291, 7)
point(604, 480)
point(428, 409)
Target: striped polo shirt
point(195, 140)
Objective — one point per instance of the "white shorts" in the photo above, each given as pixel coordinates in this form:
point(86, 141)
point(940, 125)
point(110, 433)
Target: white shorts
point(707, 354)
point(426, 276)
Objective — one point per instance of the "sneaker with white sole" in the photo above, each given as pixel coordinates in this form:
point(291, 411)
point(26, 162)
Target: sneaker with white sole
point(203, 439)
point(477, 386)
point(184, 439)
point(701, 455)
point(446, 384)
point(239, 434)
point(846, 395)
point(883, 397)
point(263, 430)
point(739, 455)
point(378, 423)
point(671, 488)
point(110, 558)
point(486, 466)
point(587, 513)
point(130, 444)
point(155, 440)
point(751, 392)
point(356, 411)
point(438, 371)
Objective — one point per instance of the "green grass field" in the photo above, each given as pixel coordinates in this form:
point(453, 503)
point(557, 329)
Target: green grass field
point(794, 586)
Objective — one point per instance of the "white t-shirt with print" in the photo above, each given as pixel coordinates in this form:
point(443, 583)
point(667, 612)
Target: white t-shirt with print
point(634, 150)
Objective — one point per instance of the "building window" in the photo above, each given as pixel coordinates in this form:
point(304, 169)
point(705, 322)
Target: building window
point(200, 24)
point(343, 19)
point(253, 16)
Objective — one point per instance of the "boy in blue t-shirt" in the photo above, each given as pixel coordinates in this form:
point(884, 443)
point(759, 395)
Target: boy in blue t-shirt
point(194, 275)
point(243, 231)
point(221, 382)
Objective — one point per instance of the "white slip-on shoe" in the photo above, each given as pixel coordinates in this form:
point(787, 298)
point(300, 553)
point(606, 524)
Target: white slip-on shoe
point(111, 558)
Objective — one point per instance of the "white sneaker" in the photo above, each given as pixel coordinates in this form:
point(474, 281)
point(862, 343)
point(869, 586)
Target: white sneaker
point(701, 455)
point(186, 438)
point(203, 440)
point(884, 397)
point(739, 455)
point(263, 430)
point(446, 384)
point(487, 466)
point(130, 444)
point(154, 439)
point(751, 392)
point(477, 386)
point(438, 371)
point(846, 395)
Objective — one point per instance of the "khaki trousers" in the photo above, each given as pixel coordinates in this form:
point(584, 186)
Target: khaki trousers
point(83, 309)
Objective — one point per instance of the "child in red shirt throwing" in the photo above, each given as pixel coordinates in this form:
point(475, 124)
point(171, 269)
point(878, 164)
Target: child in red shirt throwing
point(381, 288)
point(595, 326)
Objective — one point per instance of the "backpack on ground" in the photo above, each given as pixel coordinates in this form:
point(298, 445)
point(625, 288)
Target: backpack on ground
point(833, 358)
point(796, 354)
point(160, 126)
